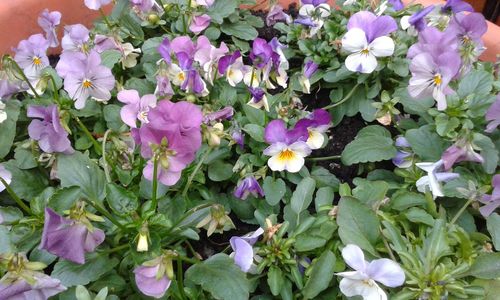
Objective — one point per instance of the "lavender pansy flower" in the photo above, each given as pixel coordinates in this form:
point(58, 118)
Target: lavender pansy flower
point(456, 6)
point(287, 147)
point(143, 5)
point(363, 281)
point(458, 152)
point(163, 87)
point(103, 43)
point(136, 107)
point(276, 14)
point(261, 52)
point(313, 2)
point(468, 27)
point(76, 38)
point(279, 65)
point(232, 67)
point(493, 115)
point(417, 20)
point(492, 201)
point(396, 4)
point(310, 67)
point(206, 3)
point(238, 137)
point(366, 40)
point(208, 56)
point(258, 99)
point(8, 87)
point(41, 287)
point(199, 23)
point(48, 21)
point(224, 114)
point(243, 249)
point(433, 42)
point(316, 124)
point(431, 76)
point(433, 178)
point(151, 278)
point(96, 4)
point(248, 186)
point(69, 239)
point(89, 79)
point(51, 136)
point(403, 158)
point(6, 176)
point(31, 56)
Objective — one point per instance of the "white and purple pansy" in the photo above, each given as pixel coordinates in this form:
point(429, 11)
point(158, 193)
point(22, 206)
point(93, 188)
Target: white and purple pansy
point(316, 124)
point(232, 67)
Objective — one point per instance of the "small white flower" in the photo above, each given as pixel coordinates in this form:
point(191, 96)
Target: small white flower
point(433, 178)
point(287, 157)
point(129, 55)
point(176, 74)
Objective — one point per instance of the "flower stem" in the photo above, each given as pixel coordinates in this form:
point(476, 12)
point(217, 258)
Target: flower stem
point(115, 249)
point(185, 216)
point(16, 198)
point(154, 199)
point(21, 72)
point(105, 213)
point(56, 91)
point(105, 18)
point(88, 134)
point(104, 161)
point(180, 279)
point(196, 169)
point(324, 158)
point(461, 211)
point(347, 97)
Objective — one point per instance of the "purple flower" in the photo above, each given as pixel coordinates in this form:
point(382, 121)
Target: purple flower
point(151, 279)
point(143, 5)
point(135, 108)
point(276, 14)
point(238, 137)
point(48, 21)
point(232, 66)
point(261, 52)
point(310, 67)
point(88, 78)
point(460, 151)
point(248, 186)
point(258, 98)
point(6, 176)
point(372, 26)
point(224, 114)
point(313, 2)
point(305, 21)
point(51, 136)
point(76, 38)
point(208, 56)
point(492, 201)
point(434, 42)
point(493, 115)
point(103, 43)
point(31, 56)
point(243, 249)
point(183, 44)
point(199, 23)
point(403, 158)
point(457, 6)
point(69, 239)
point(96, 4)
point(468, 27)
point(40, 288)
point(316, 124)
point(396, 4)
point(430, 76)
point(165, 50)
point(206, 3)
point(7, 89)
point(418, 18)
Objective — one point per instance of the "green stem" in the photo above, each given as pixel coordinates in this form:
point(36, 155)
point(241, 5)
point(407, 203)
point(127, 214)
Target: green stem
point(343, 100)
point(104, 161)
point(105, 213)
point(187, 259)
point(324, 158)
point(154, 200)
point(56, 91)
point(115, 249)
point(184, 217)
point(21, 72)
point(180, 279)
point(88, 134)
point(16, 198)
point(196, 169)
point(105, 18)
point(461, 211)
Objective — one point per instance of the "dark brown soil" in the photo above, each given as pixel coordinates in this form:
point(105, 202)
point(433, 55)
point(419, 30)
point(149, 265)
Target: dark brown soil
point(268, 33)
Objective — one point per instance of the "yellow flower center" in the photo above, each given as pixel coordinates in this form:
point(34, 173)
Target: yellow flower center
point(37, 61)
point(230, 73)
point(87, 84)
point(181, 76)
point(286, 155)
point(365, 51)
point(311, 133)
point(437, 79)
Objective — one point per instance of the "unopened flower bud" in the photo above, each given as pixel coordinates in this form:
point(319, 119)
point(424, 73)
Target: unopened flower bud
point(142, 243)
point(153, 19)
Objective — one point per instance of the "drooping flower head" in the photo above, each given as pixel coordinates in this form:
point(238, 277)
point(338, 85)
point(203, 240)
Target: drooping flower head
point(6, 176)
point(492, 201)
point(136, 107)
point(31, 56)
point(243, 249)
point(313, 2)
point(76, 38)
point(458, 152)
point(417, 20)
point(224, 114)
point(261, 52)
point(151, 278)
point(276, 14)
point(433, 178)
point(48, 21)
point(46, 128)
point(310, 67)
point(69, 239)
point(469, 28)
point(493, 115)
point(363, 281)
point(248, 186)
point(96, 4)
point(199, 23)
point(258, 98)
point(456, 6)
point(232, 67)
point(403, 158)
point(143, 5)
point(366, 39)
point(287, 147)
point(316, 124)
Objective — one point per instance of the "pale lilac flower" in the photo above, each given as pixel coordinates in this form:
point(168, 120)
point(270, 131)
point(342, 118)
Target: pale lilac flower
point(248, 186)
point(8, 87)
point(396, 4)
point(76, 38)
point(51, 136)
point(136, 107)
point(151, 278)
point(89, 79)
point(493, 115)
point(287, 147)
point(276, 14)
point(363, 281)
point(278, 63)
point(6, 176)
point(232, 67)
point(103, 43)
point(224, 114)
point(143, 5)
point(433, 178)
point(48, 21)
point(163, 87)
point(366, 39)
point(199, 23)
point(431, 76)
point(65, 65)
point(417, 20)
point(243, 249)
point(310, 67)
point(96, 4)
point(492, 201)
point(69, 239)
point(316, 123)
point(206, 3)
point(208, 57)
point(457, 6)
point(31, 56)
point(434, 42)
point(458, 152)
point(468, 27)
point(41, 287)
point(403, 158)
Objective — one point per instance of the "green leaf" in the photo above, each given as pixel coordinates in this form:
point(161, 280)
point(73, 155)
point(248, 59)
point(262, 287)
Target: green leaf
point(320, 276)
point(221, 277)
point(425, 143)
point(121, 200)
point(78, 170)
point(132, 24)
point(8, 127)
point(324, 196)
point(373, 143)
point(255, 131)
point(240, 30)
point(323, 178)
point(113, 119)
point(222, 9)
point(317, 235)
point(254, 115)
point(63, 199)
point(275, 280)
point(303, 194)
point(418, 215)
point(486, 266)
point(110, 57)
point(488, 151)
point(369, 192)
point(27, 184)
point(220, 171)
point(493, 225)
point(475, 82)
point(403, 200)
point(358, 224)
point(71, 274)
point(25, 158)
point(274, 190)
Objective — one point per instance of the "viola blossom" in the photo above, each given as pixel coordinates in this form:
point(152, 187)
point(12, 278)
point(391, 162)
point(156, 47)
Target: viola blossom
point(469, 28)
point(232, 67)
point(456, 6)
point(363, 280)
point(88, 78)
point(199, 23)
point(129, 55)
point(396, 4)
point(310, 67)
point(8, 86)
point(31, 56)
point(312, 14)
point(224, 114)
point(316, 124)
point(69, 239)
point(96, 4)
point(366, 39)
point(248, 186)
point(151, 278)
point(261, 53)
point(433, 178)
point(205, 3)
point(492, 201)
point(404, 156)
point(416, 22)
point(287, 147)
point(163, 87)
point(431, 76)
point(76, 38)
point(458, 152)
point(208, 56)
point(493, 116)
point(258, 99)
point(48, 21)
point(238, 137)
point(6, 176)
point(136, 107)
point(434, 42)
point(243, 252)
point(276, 14)
point(278, 64)
point(173, 135)
point(50, 134)
point(143, 5)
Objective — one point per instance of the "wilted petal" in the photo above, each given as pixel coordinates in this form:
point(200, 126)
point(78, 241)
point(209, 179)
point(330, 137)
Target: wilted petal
point(243, 253)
